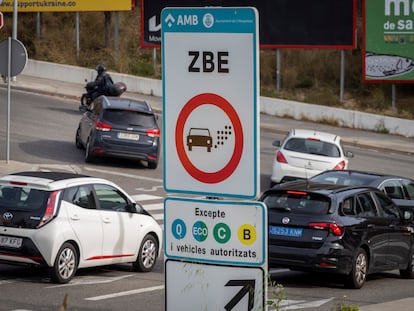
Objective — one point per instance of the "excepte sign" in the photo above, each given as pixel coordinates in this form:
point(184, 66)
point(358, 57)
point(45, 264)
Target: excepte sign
point(67, 5)
point(210, 101)
point(215, 231)
point(388, 41)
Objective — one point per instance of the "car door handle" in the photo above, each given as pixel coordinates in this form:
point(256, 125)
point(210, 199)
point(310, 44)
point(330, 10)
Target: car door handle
point(107, 220)
point(74, 217)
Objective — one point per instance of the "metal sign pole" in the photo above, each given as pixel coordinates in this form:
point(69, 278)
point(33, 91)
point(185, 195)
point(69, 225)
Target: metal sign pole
point(8, 101)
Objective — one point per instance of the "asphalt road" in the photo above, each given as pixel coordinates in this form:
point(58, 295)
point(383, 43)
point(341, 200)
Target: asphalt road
point(42, 135)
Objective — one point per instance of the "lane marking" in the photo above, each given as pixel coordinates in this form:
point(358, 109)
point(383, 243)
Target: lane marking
point(145, 197)
point(154, 207)
point(123, 174)
point(126, 293)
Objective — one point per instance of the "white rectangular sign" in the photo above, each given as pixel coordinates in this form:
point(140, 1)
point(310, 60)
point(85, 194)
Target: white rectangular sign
point(191, 286)
point(210, 101)
point(215, 231)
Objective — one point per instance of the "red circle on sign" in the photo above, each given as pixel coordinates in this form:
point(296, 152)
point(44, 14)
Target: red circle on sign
point(226, 171)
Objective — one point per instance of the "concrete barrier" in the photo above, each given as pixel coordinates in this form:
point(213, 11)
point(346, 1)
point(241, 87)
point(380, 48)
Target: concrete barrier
point(270, 106)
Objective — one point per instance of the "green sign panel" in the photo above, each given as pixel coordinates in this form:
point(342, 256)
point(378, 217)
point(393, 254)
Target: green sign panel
point(388, 41)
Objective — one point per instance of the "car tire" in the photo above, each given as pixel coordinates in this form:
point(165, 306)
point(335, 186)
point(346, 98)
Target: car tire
point(88, 153)
point(79, 144)
point(408, 273)
point(147, 255)
point(66, 264)
point(152, 165)
point(356, 279)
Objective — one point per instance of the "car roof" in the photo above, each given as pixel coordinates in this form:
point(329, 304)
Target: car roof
point(126, 104)
point(48, 180)
point(302, 133)
point(309, 186)
point(373, 176)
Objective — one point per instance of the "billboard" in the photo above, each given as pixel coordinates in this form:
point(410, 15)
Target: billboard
point(388, 41)
point(282, 23)
point(67, 5)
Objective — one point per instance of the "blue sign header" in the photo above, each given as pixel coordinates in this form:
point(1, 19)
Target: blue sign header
point(209, 19)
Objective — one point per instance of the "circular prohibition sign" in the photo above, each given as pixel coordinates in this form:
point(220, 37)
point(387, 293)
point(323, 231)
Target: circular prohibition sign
point(229, 168)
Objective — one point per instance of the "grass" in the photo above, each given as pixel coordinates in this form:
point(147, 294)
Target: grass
point(306, 75)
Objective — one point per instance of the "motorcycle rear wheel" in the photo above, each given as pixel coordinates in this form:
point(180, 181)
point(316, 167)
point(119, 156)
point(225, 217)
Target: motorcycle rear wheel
point(85, 100)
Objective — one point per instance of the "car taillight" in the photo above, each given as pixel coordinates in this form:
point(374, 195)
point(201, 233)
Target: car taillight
point(102, 126)
point(340, 166)
point(51, 208)
point(336, 229)
point(153, 132)
point(280, 157)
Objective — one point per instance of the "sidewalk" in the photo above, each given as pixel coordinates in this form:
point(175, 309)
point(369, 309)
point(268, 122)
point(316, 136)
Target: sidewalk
point(360, 138)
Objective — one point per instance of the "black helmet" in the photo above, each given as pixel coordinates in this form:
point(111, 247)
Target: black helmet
point(100, 69)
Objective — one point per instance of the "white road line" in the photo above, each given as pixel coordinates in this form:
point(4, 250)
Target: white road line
point(126, 293)
point(154, 207)
point(145, 197)
point(123, 174)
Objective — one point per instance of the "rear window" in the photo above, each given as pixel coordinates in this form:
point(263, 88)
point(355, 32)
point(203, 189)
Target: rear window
point(22, 197)
point(313, 146)
point(128, 117)
point(298, 202)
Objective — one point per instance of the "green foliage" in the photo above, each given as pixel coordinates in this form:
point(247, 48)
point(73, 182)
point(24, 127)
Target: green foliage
point(277, 295)
point(342, 306)
point(308, 75)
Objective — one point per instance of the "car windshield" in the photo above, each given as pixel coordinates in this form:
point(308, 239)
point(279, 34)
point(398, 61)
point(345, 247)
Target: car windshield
point(298, 202)
point(312, 146)
point(129, 117)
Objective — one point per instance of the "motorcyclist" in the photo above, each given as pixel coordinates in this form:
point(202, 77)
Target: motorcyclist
point(103, 81)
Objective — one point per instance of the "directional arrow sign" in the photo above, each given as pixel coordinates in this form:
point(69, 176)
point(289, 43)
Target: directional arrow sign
point(192, 286)
point(247, 288)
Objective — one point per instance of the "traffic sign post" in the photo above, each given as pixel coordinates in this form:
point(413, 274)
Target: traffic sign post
point(210, 101)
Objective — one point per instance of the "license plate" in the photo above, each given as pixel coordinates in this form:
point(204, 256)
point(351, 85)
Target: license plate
point(10, 241)
point(129, 136)
point(285, 231)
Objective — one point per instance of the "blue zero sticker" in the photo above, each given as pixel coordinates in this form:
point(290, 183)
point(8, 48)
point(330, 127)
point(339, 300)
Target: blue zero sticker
point(179, 229)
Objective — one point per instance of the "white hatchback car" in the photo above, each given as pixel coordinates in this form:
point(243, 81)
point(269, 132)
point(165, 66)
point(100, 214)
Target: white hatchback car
point(65, 221)
point(305, 153)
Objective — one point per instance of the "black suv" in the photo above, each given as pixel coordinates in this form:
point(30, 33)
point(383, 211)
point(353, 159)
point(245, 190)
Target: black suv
point(346, 230)
point(121, 128)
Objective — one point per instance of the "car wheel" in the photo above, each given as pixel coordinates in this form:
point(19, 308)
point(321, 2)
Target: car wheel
point(408, 273)
point(356, 279)
point(78, 140)
point(148, 253)
point(152, 165)
point(88, 152)
point(65, 265)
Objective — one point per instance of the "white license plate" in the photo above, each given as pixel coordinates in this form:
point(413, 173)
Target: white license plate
point(10, 241)
point(129, 136)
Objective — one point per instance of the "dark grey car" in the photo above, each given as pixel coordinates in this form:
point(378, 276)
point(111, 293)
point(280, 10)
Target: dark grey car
point(121, 128)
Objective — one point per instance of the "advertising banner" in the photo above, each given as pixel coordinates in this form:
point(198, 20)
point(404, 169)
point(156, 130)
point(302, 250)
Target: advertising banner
point(388, 41)
point(283, 23)
point(67, 5)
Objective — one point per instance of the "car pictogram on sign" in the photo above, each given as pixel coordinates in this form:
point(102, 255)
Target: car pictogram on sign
point(199, 137)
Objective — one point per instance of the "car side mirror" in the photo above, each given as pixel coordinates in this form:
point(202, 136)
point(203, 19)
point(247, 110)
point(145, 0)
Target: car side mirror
point(276, 143)
point(131, 208)
point(349, 154)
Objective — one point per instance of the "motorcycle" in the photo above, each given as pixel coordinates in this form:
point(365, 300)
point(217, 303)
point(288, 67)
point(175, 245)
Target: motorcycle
point(92, 92)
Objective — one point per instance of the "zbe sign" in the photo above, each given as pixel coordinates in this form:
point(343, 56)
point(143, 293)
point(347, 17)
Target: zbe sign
point(210, 101)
